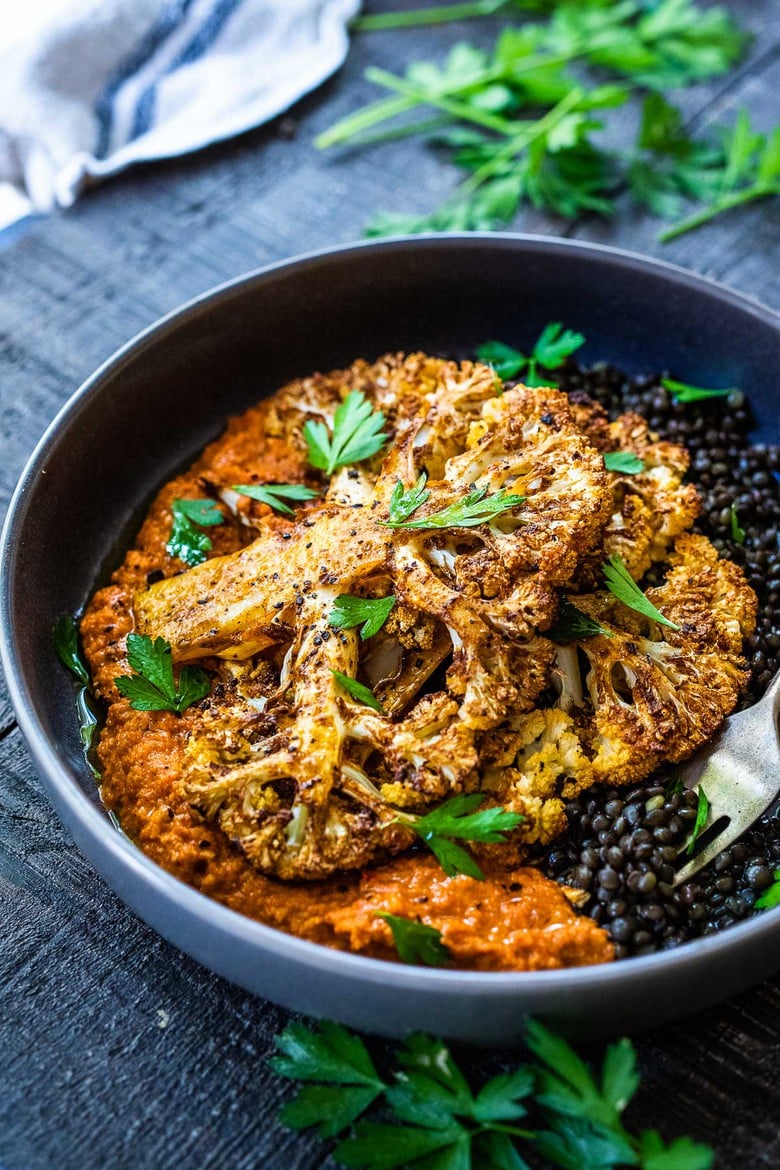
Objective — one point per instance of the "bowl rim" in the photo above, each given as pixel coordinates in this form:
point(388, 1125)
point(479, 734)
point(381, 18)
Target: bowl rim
point(66, 791)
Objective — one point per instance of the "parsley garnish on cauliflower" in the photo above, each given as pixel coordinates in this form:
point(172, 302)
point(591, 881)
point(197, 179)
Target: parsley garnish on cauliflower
point(472, 694)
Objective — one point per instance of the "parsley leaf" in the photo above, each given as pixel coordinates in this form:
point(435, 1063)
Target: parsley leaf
point(770, 896)
point(573, 625)
point(623, 462)
point(555, 344)
point(66, 644)
point(433, 1118)
point(440, 14)
point(440, 1115)
point(458, 818)
point(685, 393)
point(737, 532)
point(680, 1154)
point(186, 541)
point(387, 1147)
point(152, 686)
point(275, 494)
point(370, 613)
point(417, 943)
point(357, 434)
point(622, 585)
point(702, 812)
point(668, 165)
point(566, 1084)
point(506, 361)
point(329, 1054)
point(550, 351)
point(750, 169)
point(357, 691)
point(404, 501)
point(474, 509)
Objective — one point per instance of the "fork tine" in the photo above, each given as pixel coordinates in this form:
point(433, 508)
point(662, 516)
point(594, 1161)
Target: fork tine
point(714, 845)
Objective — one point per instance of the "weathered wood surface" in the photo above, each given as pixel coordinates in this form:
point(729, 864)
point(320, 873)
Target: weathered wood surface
point(115, 1050)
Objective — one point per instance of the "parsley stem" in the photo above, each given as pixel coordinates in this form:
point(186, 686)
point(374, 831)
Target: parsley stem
point(450, 105)
point(724, 203)
point(520, 142)
point(440, 14)
point(512, 1130)
point(423, 127)
point(380, 111)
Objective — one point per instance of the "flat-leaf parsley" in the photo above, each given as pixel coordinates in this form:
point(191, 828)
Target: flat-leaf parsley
point(461, 818)
point(275, 494)
point(558, 1107)
point(370, 613)
point(152, 686)
point(622, 585)
point(357, 434)
point(187, 541)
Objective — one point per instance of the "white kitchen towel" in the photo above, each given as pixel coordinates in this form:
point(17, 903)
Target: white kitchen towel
point(89, 87)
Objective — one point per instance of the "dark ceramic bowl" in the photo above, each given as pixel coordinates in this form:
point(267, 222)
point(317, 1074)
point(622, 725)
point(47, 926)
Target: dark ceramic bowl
point(150, 408)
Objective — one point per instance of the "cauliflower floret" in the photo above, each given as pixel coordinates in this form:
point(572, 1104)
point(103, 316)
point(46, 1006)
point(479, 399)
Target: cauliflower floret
point(540, 764)
point(649, 509)
point(654, 693)
point(494, 586)
point(649, 695)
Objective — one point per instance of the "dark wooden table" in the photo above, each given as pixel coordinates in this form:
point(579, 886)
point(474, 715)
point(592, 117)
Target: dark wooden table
point(116, 1050)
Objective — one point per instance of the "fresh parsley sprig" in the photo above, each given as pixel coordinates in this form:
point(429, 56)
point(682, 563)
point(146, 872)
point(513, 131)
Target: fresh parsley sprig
point(356, 690)
point(430, 1115)
point(475, 508)
point(405, 501)
point(481, 101)
point(623, 463)
point(770, 896)
point(750, 171)
point(684, 393)
point(460, 819)
point(551, 349)
point(702, 812)
point(152, 686)
point(187, 541)
point(417, 943)
point(370, 613)
point(667, 165)
point(573, 625)
point(584, 1115)
point(356, 435)
point(622, 586)
point(66, 644)
point(275, 494)
point(439, 14)
point(340, 1080)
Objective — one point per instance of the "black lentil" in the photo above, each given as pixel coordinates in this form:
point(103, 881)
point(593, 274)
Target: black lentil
point(621, 844)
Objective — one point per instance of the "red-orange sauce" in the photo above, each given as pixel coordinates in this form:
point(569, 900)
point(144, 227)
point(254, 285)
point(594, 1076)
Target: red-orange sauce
point(515, 919)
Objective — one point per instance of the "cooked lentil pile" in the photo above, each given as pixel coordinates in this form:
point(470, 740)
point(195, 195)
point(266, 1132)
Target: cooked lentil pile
point(621, 843)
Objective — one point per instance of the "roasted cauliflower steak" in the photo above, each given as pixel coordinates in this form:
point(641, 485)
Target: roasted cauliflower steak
point(305, 777)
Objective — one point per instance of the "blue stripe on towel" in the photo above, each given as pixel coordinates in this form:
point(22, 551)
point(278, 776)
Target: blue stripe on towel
point(167, 22)
point(201, 41)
